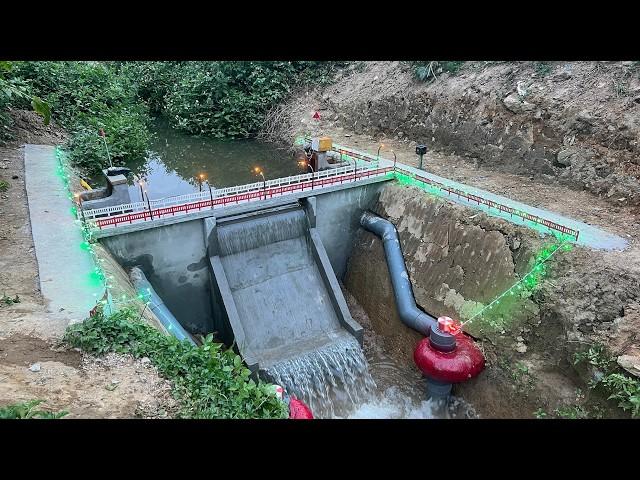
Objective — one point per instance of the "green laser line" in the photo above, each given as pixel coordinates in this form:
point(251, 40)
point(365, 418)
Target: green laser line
point(534, 269)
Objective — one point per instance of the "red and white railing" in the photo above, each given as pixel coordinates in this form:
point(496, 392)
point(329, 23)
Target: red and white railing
point(109, 217)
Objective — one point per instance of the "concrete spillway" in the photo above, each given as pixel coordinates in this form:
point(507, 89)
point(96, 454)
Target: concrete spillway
point(280, 294)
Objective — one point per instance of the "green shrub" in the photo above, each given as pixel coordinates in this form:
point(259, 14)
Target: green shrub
point(27, 410)
point(230, 99)
point(16, 92)
point(209, 381)
point(87, 96)
point(620, 386)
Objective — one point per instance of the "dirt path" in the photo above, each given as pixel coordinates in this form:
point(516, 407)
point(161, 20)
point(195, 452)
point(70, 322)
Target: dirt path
point(31, 366)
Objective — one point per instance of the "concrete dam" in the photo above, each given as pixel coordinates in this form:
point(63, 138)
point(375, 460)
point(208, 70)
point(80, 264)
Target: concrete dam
point(264, 277)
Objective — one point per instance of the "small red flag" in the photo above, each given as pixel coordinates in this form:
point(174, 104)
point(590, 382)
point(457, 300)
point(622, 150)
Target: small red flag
point(316, 116)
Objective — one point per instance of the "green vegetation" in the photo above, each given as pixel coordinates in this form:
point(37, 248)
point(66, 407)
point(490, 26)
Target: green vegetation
point(27, 410)
point(15, 91)
point(209, 381)
point(221, 99)
point(4, 186)
point(518, 372)
point(8, 300)
point(423, 71)
point(619, 385)
point(86, 97)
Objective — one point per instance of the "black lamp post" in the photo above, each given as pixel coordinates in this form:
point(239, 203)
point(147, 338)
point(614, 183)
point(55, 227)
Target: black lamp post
point(395, 159)
point(200, 180)
point(149, 204)
point(421, 150)
point(378, 154)
point(210, 194)
point(303, 163)
point(258, 171)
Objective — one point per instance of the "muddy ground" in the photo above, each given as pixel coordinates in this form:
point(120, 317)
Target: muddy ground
point(32, 364)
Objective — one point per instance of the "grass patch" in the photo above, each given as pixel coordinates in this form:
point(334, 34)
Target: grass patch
point(27, 410)
point(425, 71)
point(6, 300)
point(208, 381)
point(4, 186)
point(518, 372)
point(618, 384)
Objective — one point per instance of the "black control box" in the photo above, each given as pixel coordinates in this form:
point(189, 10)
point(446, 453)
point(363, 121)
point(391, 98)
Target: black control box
point(421, 149)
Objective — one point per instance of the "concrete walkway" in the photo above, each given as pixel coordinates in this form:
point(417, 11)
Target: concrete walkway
point(590, 236)
point(66, 271)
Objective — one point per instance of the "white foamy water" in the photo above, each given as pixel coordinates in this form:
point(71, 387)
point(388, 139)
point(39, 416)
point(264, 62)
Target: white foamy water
point(331, 380)
point(393, 403)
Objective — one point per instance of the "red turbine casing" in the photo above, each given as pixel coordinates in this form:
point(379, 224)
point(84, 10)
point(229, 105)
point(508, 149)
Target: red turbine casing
point(464, 362)
point(298, 410)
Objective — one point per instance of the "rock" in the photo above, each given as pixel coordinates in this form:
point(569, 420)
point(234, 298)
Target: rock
point(578, 155)
point(145, 360)
point(514, 104)
point(630, 363)
point(35, 367)
point(521, 347)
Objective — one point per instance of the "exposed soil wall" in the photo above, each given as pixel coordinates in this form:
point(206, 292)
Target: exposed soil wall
point(577, 122)
point(458, 259)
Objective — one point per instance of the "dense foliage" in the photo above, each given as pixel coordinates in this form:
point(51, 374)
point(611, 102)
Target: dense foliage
point(221, 99)
point(85, 97)
point(15, 91)
point(209, 381)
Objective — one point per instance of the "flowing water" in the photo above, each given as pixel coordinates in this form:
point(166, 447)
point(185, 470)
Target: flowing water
point(330, 380)
point(336, 379)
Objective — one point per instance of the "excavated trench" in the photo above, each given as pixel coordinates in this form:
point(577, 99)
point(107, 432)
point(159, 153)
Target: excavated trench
point(458, 259)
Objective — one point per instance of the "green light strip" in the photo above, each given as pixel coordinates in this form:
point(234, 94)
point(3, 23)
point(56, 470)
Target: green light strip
point(529, 281)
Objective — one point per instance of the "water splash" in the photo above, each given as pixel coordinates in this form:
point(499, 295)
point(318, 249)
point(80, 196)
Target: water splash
point(332, 380)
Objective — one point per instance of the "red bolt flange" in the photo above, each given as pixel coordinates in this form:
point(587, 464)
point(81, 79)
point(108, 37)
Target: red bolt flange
point(465, 361)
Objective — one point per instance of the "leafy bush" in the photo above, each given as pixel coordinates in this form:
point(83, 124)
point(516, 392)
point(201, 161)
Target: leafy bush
point(15, 91)
point(209, 382)
point(127, 136)
point(229, 99)
point(26, 410)
point(619, 385)
point(4, 186)
point(87, 96)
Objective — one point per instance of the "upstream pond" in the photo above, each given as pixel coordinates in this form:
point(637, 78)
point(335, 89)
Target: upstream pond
point(176, 159)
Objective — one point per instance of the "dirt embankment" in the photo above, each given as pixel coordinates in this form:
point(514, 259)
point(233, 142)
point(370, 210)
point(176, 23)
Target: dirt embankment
point(32, 365)
point(575, 122)
point(459, 260)
point(564, 140)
